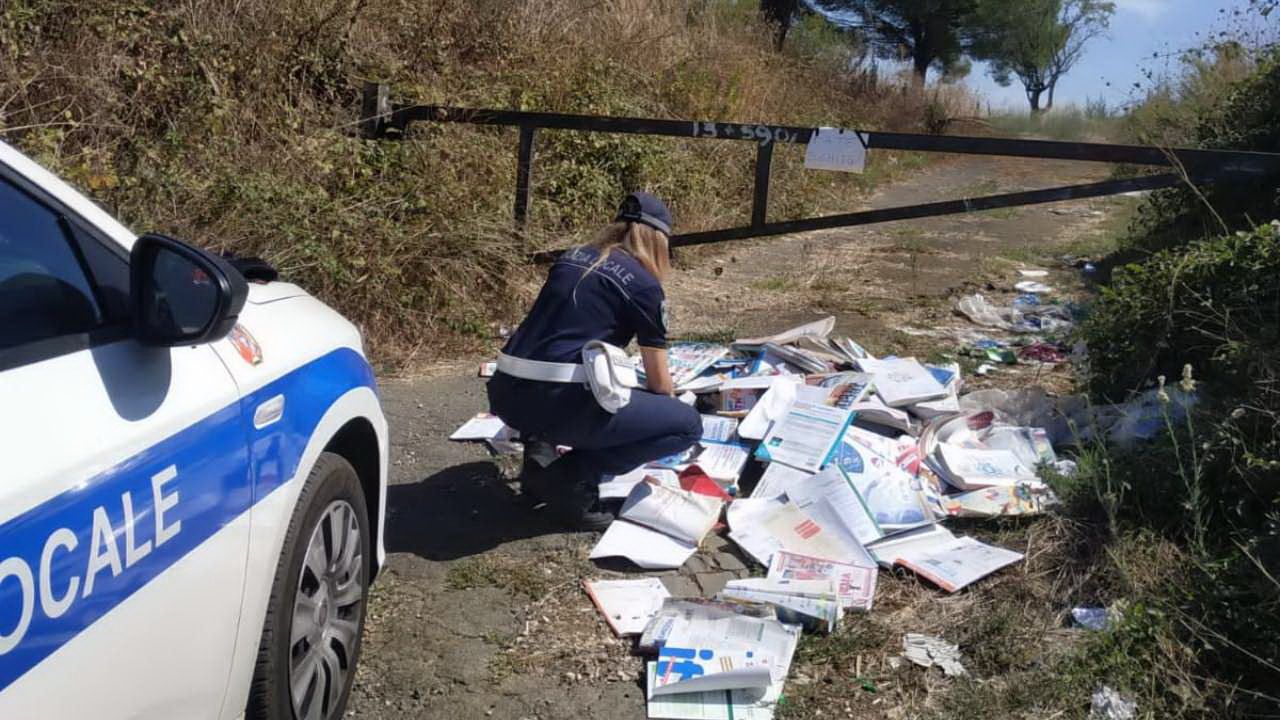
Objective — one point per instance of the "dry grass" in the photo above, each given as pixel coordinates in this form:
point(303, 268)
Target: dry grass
point(232, 124)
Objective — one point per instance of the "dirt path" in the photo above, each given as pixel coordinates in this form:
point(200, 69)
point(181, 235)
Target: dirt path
point(479, 612)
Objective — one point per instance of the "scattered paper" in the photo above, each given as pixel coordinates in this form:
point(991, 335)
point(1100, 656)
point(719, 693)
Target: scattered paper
point(1107, 704)
point(1032, 286)
point(927, 651)
point(772, 406)
point(659, 526)
point(481, 427)
point(832, 501)
point(959, 564)
point(973, 468)
point(687, 360)
point(676, 512)
point(902, 381)
point(1091, 618)
point(855, 585)
point(762, 527)
point(723, 461)
point(696, 654)
point(1033, 273)
point(888, 551)
point(627, 605)
point(836, 149)
point(805, 437)
point(743, 704)
point(775, 479)
point(818, 328)
point(615, 487)
point(887, 491)
point(718, 429)
point(811, 604)
point(646, 548)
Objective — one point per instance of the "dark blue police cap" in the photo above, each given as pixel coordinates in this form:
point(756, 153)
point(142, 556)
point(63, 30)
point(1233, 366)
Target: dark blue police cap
point(646, 209)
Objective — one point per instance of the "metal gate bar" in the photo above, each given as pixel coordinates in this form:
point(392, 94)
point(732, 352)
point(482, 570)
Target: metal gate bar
point(381, 118)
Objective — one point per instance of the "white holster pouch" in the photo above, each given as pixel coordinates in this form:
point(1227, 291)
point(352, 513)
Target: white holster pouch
point(605, 369)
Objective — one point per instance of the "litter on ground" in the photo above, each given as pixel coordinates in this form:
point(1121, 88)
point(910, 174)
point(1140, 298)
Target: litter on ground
point(824, 465)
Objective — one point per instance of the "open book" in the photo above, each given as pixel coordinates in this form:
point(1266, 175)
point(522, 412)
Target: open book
point(659, 526)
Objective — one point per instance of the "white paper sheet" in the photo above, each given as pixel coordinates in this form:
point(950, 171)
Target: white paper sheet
point(718, 429)
point(646, 548)
point(887, 491)
point(810, 603)
point(771, 406)
point(481, 427)
point(775, 480)
point(765, 526)
point(805, 436)
point(731, 652)
point(687, 360)
point(831, 500)
point(745, 704)
point(836, 149)
point(958, 564)
point(817, 328)
point(683, 515)
point(855, 585)
point(902, 381)
point(627, 605)
point(614, 487)
point(723, 462)
point(972, 468)
point(930, 537)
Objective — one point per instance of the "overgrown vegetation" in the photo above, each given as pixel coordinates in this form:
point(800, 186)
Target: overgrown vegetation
point(1198, 315)
point(233, 124)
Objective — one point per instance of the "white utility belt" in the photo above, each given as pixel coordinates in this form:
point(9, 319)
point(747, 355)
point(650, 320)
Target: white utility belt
point(605, 369)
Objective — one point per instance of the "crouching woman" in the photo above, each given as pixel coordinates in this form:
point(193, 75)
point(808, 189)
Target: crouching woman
point(609, 290)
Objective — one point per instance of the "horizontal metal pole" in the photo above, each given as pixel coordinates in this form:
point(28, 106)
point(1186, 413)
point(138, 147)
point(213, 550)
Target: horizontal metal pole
point(947, 207)
point(1196, 162)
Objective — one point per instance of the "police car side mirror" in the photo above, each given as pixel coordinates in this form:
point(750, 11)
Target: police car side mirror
point(181, 295)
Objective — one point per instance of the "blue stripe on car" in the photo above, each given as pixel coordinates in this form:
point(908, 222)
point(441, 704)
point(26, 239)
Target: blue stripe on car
point(178, 492)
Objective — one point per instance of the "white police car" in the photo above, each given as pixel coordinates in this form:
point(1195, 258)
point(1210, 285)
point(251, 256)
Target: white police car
point(192, 475)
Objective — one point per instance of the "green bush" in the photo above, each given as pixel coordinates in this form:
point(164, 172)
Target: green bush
point(1219, 113)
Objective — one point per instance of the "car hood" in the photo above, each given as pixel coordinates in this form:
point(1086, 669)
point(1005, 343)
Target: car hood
point(263, 293)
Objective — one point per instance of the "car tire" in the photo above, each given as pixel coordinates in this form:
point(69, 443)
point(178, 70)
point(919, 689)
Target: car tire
point(315, 617)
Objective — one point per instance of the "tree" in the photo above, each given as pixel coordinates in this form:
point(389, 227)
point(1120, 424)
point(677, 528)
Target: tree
point(781, 14)
point(931, 33)
point(1036, 41)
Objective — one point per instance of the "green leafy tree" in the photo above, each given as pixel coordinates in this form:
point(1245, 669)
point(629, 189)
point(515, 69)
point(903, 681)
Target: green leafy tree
point(928, 33)
point(1036, 41)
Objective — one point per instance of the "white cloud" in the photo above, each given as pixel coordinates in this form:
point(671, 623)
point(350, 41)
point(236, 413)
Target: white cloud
point(1148, 10)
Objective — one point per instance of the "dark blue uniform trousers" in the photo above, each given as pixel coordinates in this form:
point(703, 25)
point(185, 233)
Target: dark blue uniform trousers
point(650, 427)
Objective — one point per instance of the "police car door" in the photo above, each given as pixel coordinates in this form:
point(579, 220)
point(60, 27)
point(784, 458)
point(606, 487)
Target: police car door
point(123, 491)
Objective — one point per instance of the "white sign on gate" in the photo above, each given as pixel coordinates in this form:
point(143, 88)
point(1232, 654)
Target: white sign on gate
point(836, 149)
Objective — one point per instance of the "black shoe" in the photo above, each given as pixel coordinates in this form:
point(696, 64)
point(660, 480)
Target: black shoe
point(591, 521)
point(594, 519)
point(534, 480)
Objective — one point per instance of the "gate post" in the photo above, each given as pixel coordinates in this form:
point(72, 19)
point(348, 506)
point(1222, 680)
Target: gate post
point(760, 194)
point(375, 109)
point(524, 174)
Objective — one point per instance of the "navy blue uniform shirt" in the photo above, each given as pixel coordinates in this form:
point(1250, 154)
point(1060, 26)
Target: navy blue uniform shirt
point(615, 302)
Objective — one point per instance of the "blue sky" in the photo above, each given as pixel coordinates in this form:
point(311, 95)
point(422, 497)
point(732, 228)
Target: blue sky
point(1138, 29)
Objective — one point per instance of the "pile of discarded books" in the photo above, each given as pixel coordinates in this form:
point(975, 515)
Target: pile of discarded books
point(825, 463)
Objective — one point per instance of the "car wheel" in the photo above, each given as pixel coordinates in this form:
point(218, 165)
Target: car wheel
point(315, 617)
